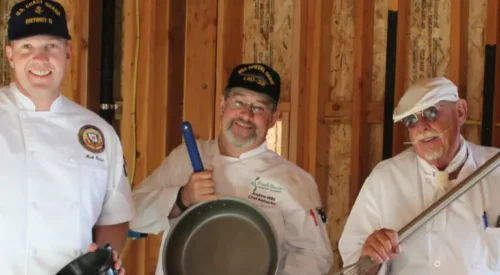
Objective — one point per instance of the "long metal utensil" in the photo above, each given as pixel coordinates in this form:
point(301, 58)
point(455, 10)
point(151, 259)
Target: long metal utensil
point(365, 263)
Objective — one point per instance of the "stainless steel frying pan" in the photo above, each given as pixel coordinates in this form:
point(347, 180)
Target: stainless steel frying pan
point(227, 236)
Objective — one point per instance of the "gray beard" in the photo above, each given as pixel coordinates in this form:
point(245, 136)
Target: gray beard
point(239, 142)
point(436, 154)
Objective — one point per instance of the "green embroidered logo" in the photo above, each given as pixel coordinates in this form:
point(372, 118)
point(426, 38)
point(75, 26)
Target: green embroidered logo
point(259, 184)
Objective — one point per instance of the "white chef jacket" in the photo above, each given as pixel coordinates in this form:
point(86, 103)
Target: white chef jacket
point(456, 241)
point(53, 190)
point(304, 247)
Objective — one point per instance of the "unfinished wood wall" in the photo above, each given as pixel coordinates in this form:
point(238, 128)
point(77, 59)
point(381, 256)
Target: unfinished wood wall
point(332, 55)
point(337, 80)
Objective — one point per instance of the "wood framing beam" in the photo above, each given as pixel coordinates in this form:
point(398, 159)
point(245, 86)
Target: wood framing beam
point(459, 41)
point(402, 6)
point(133, 253)
point(316, 138)
point(362, 88)
point(229, 47)
point(147, 27)
point(151, 126)
point(492, 28)
point(297, 117)
point(200, 64)
point(94, 55)
point(74, 84)
point(175, 84)
point(157, 99)
point(144, 89)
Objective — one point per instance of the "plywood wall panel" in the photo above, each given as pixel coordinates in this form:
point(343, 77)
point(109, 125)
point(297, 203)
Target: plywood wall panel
point(267, 33)
point(429, 41)
point(475, 68)
point(342, 55)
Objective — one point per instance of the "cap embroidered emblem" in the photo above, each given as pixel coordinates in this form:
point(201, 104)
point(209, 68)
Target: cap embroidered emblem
point(38, 10)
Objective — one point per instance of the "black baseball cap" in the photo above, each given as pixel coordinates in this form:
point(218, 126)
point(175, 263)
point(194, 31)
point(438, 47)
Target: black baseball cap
point(257, 77)
point(36, 17)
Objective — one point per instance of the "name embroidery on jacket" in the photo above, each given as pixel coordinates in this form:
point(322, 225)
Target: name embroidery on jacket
point(260, 188)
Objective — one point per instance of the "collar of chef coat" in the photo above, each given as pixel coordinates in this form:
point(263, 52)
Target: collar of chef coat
point(25, 103)
point(262, 148)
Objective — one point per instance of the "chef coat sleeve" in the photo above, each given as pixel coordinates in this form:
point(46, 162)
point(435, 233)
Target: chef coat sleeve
point(156, 195)
point(363, 219)
point(118, 206)
point(492, 232)
point(306, 239)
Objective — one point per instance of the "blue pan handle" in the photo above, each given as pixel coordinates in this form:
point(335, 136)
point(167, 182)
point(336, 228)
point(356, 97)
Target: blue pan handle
point(194, 154)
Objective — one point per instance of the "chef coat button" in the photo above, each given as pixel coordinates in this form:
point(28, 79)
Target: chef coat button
point(437, 263)
point(428, 181)
point(34, 205)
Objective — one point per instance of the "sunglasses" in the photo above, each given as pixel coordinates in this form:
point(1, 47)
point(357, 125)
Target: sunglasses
point(429, 114)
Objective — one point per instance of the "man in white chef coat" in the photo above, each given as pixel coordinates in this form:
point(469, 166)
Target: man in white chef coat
point(462, 239)
point(239, 165)
point(63, 185)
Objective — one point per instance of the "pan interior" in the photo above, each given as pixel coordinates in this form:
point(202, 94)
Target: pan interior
point(222, 237)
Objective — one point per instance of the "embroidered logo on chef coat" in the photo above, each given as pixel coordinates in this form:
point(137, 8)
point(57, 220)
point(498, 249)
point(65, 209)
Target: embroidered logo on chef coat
point(91, 138)
point(263, 192)
point(257, 183)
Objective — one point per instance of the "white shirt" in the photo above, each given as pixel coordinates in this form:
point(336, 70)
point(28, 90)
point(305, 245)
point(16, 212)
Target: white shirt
point(304, 247)
point(454, 242)
point(53, 189)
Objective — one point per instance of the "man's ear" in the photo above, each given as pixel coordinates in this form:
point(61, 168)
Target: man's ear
point(273, 119)
point(222, 104)
point(462, 110)
point(69, 52)
point(9, 53)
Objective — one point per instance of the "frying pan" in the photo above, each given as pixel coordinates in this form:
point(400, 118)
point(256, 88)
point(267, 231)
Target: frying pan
point(226, 236)
point(99, 262)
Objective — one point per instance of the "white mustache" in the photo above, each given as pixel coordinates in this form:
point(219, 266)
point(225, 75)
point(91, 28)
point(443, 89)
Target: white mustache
point(428, 134)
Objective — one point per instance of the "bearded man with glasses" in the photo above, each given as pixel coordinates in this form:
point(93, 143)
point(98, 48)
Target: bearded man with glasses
point(240, 165)
point(462, 239)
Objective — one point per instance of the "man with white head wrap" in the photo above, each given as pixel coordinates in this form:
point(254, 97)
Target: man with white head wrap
point(462, 238)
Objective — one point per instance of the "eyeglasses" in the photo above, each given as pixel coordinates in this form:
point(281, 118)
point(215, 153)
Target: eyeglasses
point(256, 107)
point(429, 114)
